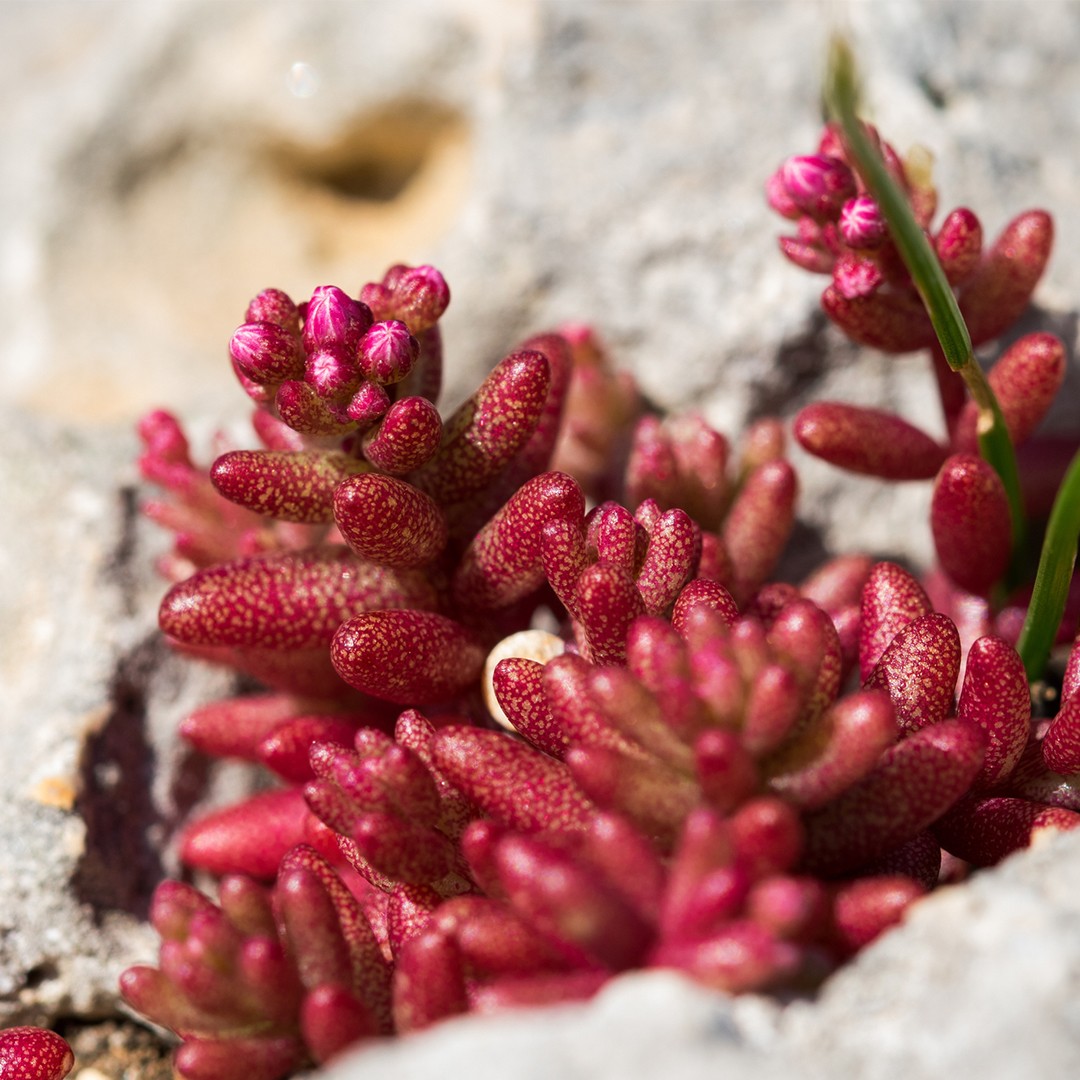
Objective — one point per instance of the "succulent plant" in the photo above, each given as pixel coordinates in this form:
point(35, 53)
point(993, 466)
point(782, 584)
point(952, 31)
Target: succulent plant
point(537, 712)
point(33, 1053)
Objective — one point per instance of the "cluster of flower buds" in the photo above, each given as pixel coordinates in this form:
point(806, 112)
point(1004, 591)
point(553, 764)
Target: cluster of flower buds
point(841, 231)
point(704, 770)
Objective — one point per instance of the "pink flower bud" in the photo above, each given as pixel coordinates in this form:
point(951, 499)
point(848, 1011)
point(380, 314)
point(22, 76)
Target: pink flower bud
point(387, 352)
point(817, 184)
point(274, 306)
point(421, 296)
point(266, 353)
point(333, 371)
point(861, 223)
point(334, 318)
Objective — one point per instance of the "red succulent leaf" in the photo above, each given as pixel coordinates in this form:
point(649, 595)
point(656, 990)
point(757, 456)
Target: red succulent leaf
point(918, 859)
point(510, 781)
point(32, 1053)
point(865, 909)
point(285, 485)
point(807, 255)
point(789, 907)
point(488, 429)
point(429, 982)
point(657, 657)
point(504, 561)
point(982, 831)
point(995, 696)
point(369, 403)
point(408, 656)
point(569, 903)
point(285, 751)
point(1061, 743)
point(768, 836)
point(389, 522)
point(915, 782)
point(834, 753)
point(627, 861)
point(286, 600)
point(269, 1057)
point(867, 441)
point(555, 988)
point(1025, 380)
point(606, 602)
point(406, 436)
point(995, 295)
point(971, 523)
point(891, 321)
point(776, 701)
point(759, 524)
point(891, 598)
point(403, 850)
point(249, 837)
point(300, 406)
point(958, 244)
point(518, 686)
point(919, 670)
point(702, 592)
point(234, 727)
point(566, 687)
point(333, 1018)
point(669, 560)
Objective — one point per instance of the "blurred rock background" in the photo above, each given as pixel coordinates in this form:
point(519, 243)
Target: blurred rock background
point(165, 159)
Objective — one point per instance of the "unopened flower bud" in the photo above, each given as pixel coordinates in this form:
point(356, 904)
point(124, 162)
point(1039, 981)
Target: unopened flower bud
point(274, 306)
point(266, 353)
point(332, 371)
point(368, 403)
point(334, 318)
point(817, 184)
point(422, 296)
point(387, 352)
point(861, 223)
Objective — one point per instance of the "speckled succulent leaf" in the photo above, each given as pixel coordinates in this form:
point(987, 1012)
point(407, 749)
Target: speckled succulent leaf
point(867, 441)
point(407, 656)
point(865, 909)
point(670, 560)
point(285, 751)
point(918, 859)
point(286, 600)
point(300, 406)
point(566, 688)
point(768, 836)
point(958, 244)
point(568, 902)
point(657, 657)
point(777, 702)
point(1061, 743)
point(246, 904)
point(995, 696)
point(504, 562)
point(628, 861)
point(425, 379)
point(564, 557)
point(488, 429)
point(759, 524)
point(510, 781)
point(270, 1057)
point(804, 639)
point(429, 982)
point(639, 715)
point(719, 682)
point(646, 790)
point(310, 922)
point(891, 598)
point(702, 592)
point(652, 469)
point(983, 830)
point(389, 522)
point(1025, 380)
point(249, 837)
point(717, 899)
point(234, 727)
point(838, 582)
point(403, 850)
point(33, 1053)
point(806, 255)
point(915, 782)
point(405, 438)
point(518, 685)
point(725, 771)
point(971, 523)
point(332, 1019)
point(285, 485)
point(894, 322)
point(995, 295)
point(606, 602)
point(919, 670)
point(835, 752)
point(266, 353)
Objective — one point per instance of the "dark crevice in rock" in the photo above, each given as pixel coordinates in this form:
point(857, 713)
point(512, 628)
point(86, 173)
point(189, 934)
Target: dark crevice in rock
point(120, 864)
point(121, 568)
point(378, 157)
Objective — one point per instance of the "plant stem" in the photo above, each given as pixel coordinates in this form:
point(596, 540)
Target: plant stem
point(1052, 579)
point(841, 97)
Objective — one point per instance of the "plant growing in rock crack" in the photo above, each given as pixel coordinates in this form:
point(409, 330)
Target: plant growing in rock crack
point(743, 779)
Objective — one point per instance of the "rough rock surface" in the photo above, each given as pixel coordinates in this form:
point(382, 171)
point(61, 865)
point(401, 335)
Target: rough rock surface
point(559, 161)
